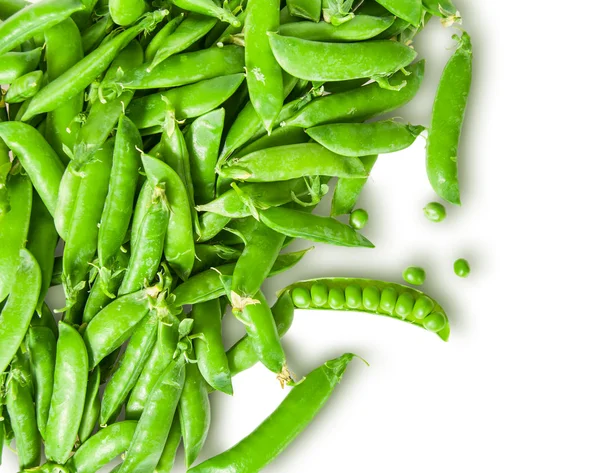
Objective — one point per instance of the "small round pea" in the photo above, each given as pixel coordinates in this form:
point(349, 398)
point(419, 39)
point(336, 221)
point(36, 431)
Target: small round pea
point(371, 297)
point(414, 275)
point(388, 300)
point(462, 268)
point(358, 219)
point(319, 293)
point(353, 296)
point(423, 307)
point(435, 322)
point(301, 297)
point(404, 305)
point(336, 298)
point(435, 211)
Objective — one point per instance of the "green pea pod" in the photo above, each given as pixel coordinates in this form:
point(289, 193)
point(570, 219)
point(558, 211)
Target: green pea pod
point(103, 290)
point(10, 7)
point(41, 346)
point(444, 9)
point(446, 122)
point(93, 36)
point(161, 36)
point(101, 448)
point(34, 19)
point(361, 103)
point(118, 207)
point(18, 310)
point(360, 28)
point(210, 225)
point(105, 113)
point(281, 136)
point(208, 345)
point(409, 10)
point(167, 457)
point(2, 431)
point(179, 241)
point(115, 323)
point(45, 318)
point(24, 87)
point(158, 361)
point(189, 101)
point(305, 159)
point(337, 12)
point(91, 408)
point(147, 253)
point(64, 49)
point(126, 12)
point(82, 240)
point(66, 201)
point(14, 228)
point(16, 64)
point(209, 8)
point(78, 77)
point(298, 224)
point(192, 29)
point(129, 368)
point(43, 166)
point(41, 242)
point(223, 29)
point(142, 204)
point(208, 256)
point(309, 9)
point(20, 408)
point(203, 139)
point(292, 416)
point(347, 191)
point(194, 413)
point(360, 139)
point(68, 394)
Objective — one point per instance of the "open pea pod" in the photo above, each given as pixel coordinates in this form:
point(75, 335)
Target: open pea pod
point(375, 297)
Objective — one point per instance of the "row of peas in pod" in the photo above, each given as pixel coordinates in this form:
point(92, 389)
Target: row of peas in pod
point(156, 161)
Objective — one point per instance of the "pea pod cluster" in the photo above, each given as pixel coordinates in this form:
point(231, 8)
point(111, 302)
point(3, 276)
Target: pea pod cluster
point(156, 161)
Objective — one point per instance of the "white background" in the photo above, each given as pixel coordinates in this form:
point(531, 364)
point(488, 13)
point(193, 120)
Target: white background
point(516, 387)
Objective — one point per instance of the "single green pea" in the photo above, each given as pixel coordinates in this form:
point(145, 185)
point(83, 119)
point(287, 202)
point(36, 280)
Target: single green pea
point(318, 293)
point(358, 219)
point(404, 305)
point(388, 300)
point(371, 297)
point(353, 296)
point(414, 275)
point(301, 297)
point(462, 268)
point(423, 307)
point(336, 298)
point(435, 322)
point(435, 211)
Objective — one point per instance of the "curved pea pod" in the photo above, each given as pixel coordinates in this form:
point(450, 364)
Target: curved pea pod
point(309, 9)
point(118, 207)
point(361, 103)
point(18, 310)
point(64, 49)
point(43, 166)
point(298, 224)
point(193, 28)
point(126, 12)
point(34, 19)
point(24, 87)
point(16, 64)
point(194, 413)
point(305, 159)
point(186, 68)
point(115, 323)
point(208, 345)
point(105, 113)
point(203, 139)
point(347, 191)
point(41, 346)
point(159, 38)
point(14, 228)
point(150, 434)
point(408, 10)
point(209, 8)
point(189, 101)
point(82, 74)
point(377, 297)
point(68, 394)
point(179, 241)
point(360, 139)
point(297, 57)
point(162, 354)
point(290, 418)
point(66, 201)
point(91, 407)
point(82, 239)
point(360, 28)
point(446, 122)
point(101, 448)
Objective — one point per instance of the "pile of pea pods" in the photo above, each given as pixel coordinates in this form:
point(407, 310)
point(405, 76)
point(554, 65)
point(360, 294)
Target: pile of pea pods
point(156, 160)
